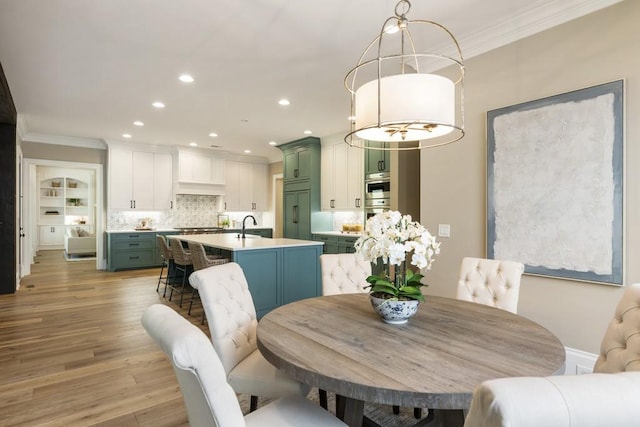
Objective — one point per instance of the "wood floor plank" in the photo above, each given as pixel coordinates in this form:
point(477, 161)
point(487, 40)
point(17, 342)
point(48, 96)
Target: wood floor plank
point(73, 351)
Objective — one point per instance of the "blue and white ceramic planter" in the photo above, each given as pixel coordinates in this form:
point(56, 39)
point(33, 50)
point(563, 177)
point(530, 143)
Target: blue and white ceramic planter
point(392, 311)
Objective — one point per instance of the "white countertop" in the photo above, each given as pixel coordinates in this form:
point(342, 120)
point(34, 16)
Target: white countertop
point(146, 230)
point(230, 242)
point(338, 233)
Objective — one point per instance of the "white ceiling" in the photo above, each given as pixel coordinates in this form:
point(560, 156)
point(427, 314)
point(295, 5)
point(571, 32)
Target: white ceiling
point(87, 69)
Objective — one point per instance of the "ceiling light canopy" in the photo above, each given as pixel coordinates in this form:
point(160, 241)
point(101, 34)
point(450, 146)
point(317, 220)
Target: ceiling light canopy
point(403, 93)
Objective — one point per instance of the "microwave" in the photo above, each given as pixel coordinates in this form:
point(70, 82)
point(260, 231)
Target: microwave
point(377, 189)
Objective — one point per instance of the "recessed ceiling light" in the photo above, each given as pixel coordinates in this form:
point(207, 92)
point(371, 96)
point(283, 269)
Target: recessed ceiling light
point(284, 102)
point(193, 144)
point(186, 78)
point(247, 151)
point(126, 135)
point(272, 143)
point(307, 132)
point(158, 104)
point(213, 134)
point(138, 123)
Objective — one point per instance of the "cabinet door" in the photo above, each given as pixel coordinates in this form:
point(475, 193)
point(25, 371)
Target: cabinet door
point(301, 273)
point(304, 214)
point(260, 179)
point(245, 192)
point(120, 178)
point(290, 215)
point(377, 160)
point(143, 183)
point(290, 164)
point(232, 186)
point(340, 173)
point(327, 177)
point(51, 235)
point(162, 181)
point(355, 178)
point(304, 163)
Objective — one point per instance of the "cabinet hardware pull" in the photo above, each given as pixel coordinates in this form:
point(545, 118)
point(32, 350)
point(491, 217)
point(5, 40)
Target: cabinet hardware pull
point(295, 173)
point(134, 244)
point(134, 204)
point(171, 204)
point(134, 257)
point(295, 214)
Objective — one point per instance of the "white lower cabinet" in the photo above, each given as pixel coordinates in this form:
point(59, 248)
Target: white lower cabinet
point(51, 236)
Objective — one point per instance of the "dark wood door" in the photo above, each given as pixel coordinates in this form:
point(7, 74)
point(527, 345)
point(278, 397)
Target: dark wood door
point(7, 188)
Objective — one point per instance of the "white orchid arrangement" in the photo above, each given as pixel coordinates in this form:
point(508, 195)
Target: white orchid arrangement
point(390, 236)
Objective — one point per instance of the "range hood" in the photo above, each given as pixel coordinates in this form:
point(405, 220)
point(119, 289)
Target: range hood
point(200, 189)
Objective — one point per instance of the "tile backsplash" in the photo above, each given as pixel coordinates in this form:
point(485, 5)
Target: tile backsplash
point(190, 211)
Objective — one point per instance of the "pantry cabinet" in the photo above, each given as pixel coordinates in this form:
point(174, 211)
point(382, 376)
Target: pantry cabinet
point(342, 175)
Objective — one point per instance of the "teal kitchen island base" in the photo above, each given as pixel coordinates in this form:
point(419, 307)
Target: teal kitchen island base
point(279, 271)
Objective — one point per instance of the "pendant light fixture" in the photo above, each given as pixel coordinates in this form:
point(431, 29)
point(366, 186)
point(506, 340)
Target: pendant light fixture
point(403, 97)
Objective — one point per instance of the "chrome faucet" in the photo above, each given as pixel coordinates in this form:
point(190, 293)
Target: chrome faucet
point(243, 226)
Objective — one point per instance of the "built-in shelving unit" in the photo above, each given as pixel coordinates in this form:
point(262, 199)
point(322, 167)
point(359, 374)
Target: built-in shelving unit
point(64, 201)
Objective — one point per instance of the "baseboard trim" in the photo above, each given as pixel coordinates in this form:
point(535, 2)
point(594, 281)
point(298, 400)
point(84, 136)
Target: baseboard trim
point(579, 362)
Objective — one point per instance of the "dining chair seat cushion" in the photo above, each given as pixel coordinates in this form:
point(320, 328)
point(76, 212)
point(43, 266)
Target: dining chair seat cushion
point(256, 376)
point(292, 412)
point(588, 400)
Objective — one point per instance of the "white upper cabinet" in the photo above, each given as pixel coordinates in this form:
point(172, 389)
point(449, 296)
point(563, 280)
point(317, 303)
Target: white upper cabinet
point(200, 168)
point(139, 180)
point(342, 176)
point(246, 186)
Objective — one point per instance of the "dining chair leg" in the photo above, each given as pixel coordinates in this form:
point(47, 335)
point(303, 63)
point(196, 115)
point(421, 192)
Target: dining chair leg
point(253, 404)
point(194, 295)
point(396, 409)
point(184, 282)
point(340, 406)
point(160, 278)
point(417, 413)
point(322, 395)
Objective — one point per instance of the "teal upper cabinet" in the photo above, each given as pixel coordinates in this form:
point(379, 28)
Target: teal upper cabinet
point(301, 186)
point(376, 161)
point(300, 158)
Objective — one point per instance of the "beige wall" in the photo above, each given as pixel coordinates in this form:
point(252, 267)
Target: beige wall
point(595, 49)
point(35, 150)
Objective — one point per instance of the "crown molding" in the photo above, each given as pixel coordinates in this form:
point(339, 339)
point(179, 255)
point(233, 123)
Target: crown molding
point(527, 23)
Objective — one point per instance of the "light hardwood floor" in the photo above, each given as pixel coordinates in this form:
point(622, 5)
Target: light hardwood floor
point(73, 351)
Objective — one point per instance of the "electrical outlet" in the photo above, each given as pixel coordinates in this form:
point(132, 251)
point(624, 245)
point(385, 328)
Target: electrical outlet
point(444, 230)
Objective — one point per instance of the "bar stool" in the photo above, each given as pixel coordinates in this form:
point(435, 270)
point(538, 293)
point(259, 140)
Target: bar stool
point(167, 261)
point(183, 263)
point(202, 260)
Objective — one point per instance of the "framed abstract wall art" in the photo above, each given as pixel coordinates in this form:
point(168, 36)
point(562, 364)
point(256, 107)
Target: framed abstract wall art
point(555, 184)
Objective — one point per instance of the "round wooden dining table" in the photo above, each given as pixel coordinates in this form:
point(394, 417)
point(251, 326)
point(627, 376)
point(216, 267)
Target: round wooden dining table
point(339, 344)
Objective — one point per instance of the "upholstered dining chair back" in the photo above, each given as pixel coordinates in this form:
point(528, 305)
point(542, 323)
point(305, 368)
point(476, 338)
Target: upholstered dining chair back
point(620, 348)
point(209, 399)
point(589, 400)
point(180, 255)
point(490, 282)
point(344, 273)
point(228, 304)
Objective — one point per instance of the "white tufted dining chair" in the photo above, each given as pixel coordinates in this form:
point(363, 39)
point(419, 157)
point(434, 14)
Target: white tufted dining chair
point(208, 397)
point(490, 282)
point(620, 348)
point(344, 273)
point(229, 307)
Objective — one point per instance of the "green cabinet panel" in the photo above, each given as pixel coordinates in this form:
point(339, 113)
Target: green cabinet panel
point(132, 250)
point(297, 214)
point(336, 244)
point(262, 268)
point(301, 273)
point(280, 275)
point(376, 161)
point(301, 187)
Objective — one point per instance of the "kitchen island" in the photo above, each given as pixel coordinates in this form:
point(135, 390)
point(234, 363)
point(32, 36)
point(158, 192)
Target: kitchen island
point(278, 271)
